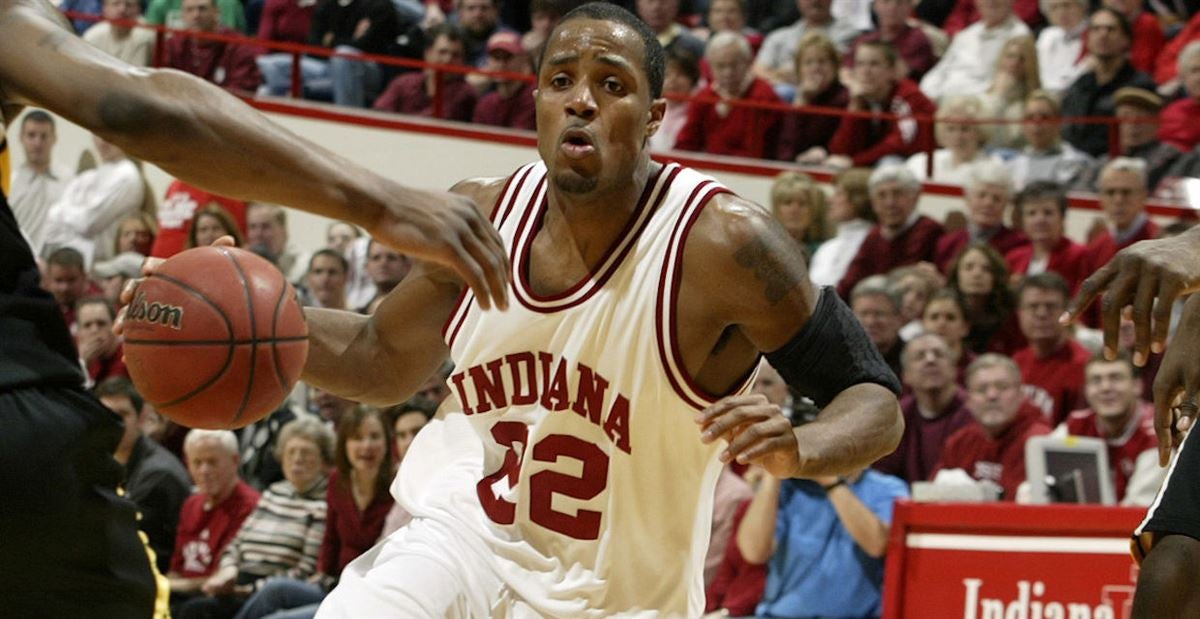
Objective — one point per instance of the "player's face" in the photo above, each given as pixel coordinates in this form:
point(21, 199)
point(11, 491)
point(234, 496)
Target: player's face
point(367, 447)
point(407, 426)
point(928, 363)
point(975, 274)
point(594, 112)
point(303, 463)
point(385, 267)
point(1122, 196)
point(985, 205)
point(1042, 221)
point(994, 397)
point(1038, 312)
point(213, 469)
point(942, 317)
point(37, 139)
point(1110, 388)
point(94, 323)
point(65, 283)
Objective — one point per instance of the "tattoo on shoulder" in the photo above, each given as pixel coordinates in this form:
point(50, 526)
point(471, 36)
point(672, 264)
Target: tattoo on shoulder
point(773, 268)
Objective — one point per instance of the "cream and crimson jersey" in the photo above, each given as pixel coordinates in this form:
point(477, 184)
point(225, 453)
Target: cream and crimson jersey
point(595, 487)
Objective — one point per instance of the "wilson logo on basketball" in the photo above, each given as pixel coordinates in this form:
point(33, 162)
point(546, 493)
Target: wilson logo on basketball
point(154, 312)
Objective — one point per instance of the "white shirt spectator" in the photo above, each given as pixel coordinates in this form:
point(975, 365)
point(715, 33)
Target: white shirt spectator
point(93, 203)
point(944, 169)
point(1060, 57)
point(779, 48)
point(137, 49)
point(1062, 165)
point(31, 197)
point(857, 13)
point(833, 257)
point(969, 64)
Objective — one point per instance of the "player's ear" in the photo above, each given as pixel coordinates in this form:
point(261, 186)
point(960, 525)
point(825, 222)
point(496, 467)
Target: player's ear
point(658, 108)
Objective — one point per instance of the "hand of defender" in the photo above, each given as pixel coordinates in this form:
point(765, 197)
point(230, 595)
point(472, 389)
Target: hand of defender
point(1177, 383)
point(148, 267)
point(757, 433)
point(1148, 277)
point(448, 229)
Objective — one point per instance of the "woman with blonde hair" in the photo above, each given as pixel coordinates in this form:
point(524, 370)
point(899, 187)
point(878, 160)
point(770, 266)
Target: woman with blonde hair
point(849, 210)
point(799, 204)
point(1016, 77)
point(961, 138)
point(135, 233)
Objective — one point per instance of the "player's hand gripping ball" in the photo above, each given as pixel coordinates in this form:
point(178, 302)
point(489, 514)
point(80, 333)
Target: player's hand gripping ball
point(215, 338)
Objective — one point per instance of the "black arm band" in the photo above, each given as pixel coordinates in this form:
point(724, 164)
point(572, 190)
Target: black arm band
point(831, 353)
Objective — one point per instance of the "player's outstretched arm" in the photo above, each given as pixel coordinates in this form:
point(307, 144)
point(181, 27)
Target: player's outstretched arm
point(757, 279)
point(202, 134)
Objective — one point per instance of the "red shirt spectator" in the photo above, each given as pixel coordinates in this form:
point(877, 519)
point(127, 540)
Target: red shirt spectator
point(879, 255)
point(516, 111)
point(204, 530)
point(920, 448)
point(1105, 246)
point(178, 208)
point(738, 585)
point(1148, 42)
point(229, 66)
point(910, 44)
point(406, 95)
point(999, 459)
point(107, 367)
point(717, 127)
point(1123, 450)
point(1054, 383)
point(1069, 259)
point(1004, 240)
point(867, 140)
point(799, 131)
point(287, 20)
point(1179, 127)
point(348, 531)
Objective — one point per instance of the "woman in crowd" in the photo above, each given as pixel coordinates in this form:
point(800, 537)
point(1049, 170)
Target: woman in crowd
point(211, 223)
point(135, 233)
point(1043, 208)
point(913, 284)
point(407, 419)
point(961, 139)
point(682, 75)
point(946, 315)
point(850, 211)
point(283, 535)
point(1016, 78)
point(1045, 156)
point(799, 204)
point(804, 137)
point(980, 277)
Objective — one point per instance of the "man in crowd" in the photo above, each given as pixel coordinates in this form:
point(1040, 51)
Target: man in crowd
point(908, 39)
point(969, 63)
point(36, 184)
point(776, 61)
point(663, 18)
point(1052, 364)
point(934, 409)
point(385, 268)
point(1043, 209)
point(412, 93)
point(99, 348)
point(902, 236)
point(66, 279)
point(878, 309)
point(212, 516)
point(227, 65)
point(133, 45)
point(154, 479)
point(510, 102)
point(992, 449)
point(478, 20)
point(988, 192)
point(1138, 110)
point(267, 233)
point(1122, 192)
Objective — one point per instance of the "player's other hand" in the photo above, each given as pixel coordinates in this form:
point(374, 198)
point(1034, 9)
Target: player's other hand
point(757, 433)
point(1147, 277)
point(148, 268)
point(449, 229)
point(1177, 383)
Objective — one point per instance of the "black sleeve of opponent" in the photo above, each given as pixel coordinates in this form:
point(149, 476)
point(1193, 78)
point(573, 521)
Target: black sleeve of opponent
point(831, 353)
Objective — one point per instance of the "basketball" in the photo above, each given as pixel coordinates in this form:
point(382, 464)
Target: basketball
point(215, 338)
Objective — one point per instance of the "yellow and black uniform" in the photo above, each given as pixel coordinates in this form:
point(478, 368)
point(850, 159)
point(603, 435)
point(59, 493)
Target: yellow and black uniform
point(68, 543)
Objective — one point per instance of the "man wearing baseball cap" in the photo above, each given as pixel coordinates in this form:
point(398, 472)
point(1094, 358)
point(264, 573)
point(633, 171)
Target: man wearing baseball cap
point(1138, 110)
point(509, 103)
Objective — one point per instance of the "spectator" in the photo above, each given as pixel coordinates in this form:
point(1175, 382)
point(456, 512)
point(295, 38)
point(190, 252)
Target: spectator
point(738, 586)
point(212, 516)
point(1179, 127)
point(357, 503)
point(1109, 36)
point(227, 65)
point(663, 18)
point(1052, 364)
point(37, 183)
point(823, 541)
point(177, 215)
point(961, 139)
point(679, 82)
point(968, 66)
point(902, 236)
point(1138, 110)
point(1043, 208)
point(406, 420)
point(154, 479)
point(135, 234)
point(543, 16)
point(913, 284)
point(101, 351)
point(1015, 79)
point(1122, 192)
point(945, 315)
point(85, 216)
point(934, 409)
point(988, 191)
point(210, 224)
point(992, 448)
point(1166, 66)
point(412, 93)
point(172, 14)
point(910, 41)
point(109, 276)
point(510, 103)
point(805, 137)
point(287, 21)
point(1148, 37)
point(328, 407)
point(477, 20)
point(716, 126)
point(282, 536)
point(1117, 414)
point(864, 141)
point(799, 205)
point(776, 60)
point(133, 45)
point(385, 268)
point(879, 311)
point(980, 276)
point(1060, 47)
point(267, 234)
point(966, 13)
point(87, 7)
point(325, 283)
point(258, 443)
point(66, 280)
point(729, 16)
point(850, 212)
point(1045, 156)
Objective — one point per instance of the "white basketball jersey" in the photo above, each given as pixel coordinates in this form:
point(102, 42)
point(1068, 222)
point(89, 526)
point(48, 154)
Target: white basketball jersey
point(596, 487)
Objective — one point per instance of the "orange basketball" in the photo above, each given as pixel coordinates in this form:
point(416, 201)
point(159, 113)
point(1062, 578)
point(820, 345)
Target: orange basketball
point(215, 338)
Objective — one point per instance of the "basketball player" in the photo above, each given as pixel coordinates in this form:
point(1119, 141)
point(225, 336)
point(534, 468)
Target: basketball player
point(574, 482)
point(68, 543)
point(1144, 281)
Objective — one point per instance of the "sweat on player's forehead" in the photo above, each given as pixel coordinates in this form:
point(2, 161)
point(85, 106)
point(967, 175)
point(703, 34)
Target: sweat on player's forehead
point(570, 56)
point(581, 34)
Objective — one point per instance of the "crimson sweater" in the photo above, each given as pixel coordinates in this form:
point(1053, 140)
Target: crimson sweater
point(349, 532)
point(1054, 383)
point(867, 140)
point(724, 129)
point(1003, 240)
point(879, 255)
point(1068, 258)
point(999, 459)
